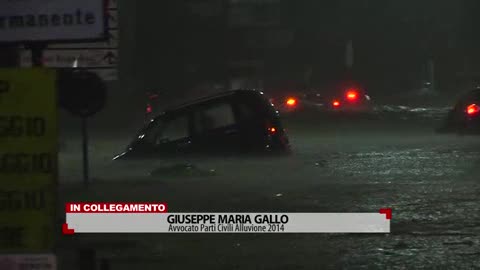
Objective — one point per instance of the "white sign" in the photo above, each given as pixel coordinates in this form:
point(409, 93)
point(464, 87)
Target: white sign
point(49, 20)
point(74, 58)
point(28, 261)
point(131, 218)
point(111, 43)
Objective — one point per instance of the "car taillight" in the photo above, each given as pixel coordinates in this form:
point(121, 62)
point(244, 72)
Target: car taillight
point(352, 95)
point(336, 103)
point(473, 109)
point(291, 102)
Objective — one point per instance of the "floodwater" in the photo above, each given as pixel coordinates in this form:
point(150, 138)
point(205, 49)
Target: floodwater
point(349, 164)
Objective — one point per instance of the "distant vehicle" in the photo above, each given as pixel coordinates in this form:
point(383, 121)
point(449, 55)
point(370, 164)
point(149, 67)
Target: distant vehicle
point(241, 121)
point(350, 99)
point(335, 99)
point(287, 103)
point(465, 115)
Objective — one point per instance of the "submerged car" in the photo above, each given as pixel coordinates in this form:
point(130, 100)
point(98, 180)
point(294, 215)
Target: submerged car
point(465, 115)
point(241, 121)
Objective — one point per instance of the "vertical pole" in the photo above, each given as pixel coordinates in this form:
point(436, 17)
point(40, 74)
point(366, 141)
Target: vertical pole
point(86, 179)
point(349, 59)
point(431, 74)
point(225, 21)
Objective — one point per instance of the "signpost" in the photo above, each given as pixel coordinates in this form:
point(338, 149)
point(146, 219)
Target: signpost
point(85, 34)
point(55, 20)
point(100, 57)
point(82, 58)
point(28, 166)
point(83, 94)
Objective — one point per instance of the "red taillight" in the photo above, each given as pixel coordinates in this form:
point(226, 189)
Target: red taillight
point(272, 130)
point(473, 109)
point(291, 102)
point(336, 103)
point(352, 95)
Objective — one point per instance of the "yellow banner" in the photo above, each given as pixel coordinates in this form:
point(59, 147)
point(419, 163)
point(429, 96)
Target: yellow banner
point(28, 159)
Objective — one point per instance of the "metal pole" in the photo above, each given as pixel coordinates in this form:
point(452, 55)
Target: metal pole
point(85, 151)
point(431, 74)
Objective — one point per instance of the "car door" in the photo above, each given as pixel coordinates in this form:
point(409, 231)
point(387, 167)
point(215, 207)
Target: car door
point(215, 127)
point(170, 135)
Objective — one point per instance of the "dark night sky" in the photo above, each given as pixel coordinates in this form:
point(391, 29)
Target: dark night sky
point(393, 41)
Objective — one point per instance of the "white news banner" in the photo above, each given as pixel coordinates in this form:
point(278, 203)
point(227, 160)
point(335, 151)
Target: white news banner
point(142, 218)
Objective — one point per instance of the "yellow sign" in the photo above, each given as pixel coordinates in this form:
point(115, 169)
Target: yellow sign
point(28, 159)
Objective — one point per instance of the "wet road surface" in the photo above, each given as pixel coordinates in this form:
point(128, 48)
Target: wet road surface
point(394, 159)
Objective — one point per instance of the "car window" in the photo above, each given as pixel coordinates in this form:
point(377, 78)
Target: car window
point(175, 129)
point(245, 111)
point(166, 130)
point(216, 116)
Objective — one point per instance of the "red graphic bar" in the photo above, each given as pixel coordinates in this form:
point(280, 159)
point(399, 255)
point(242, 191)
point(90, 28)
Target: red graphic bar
point(387, 212)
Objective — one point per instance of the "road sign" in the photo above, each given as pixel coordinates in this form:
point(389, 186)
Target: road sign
point(28, 261)
point(28, 160)
point(59, 58)
point(32, 20)
point(81, 92)
point(99, 57)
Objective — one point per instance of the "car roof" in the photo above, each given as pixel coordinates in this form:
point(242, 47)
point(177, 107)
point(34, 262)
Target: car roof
point(472, 94)
point(205, 99)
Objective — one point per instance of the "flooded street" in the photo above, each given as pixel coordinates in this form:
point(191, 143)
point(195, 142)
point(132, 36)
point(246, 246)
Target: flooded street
point(309, 116)
point(394, 160)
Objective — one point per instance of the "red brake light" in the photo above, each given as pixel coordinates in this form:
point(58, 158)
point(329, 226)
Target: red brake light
point(473, 109)
point(336, 103)
point(291, 102)
point(352, 95)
